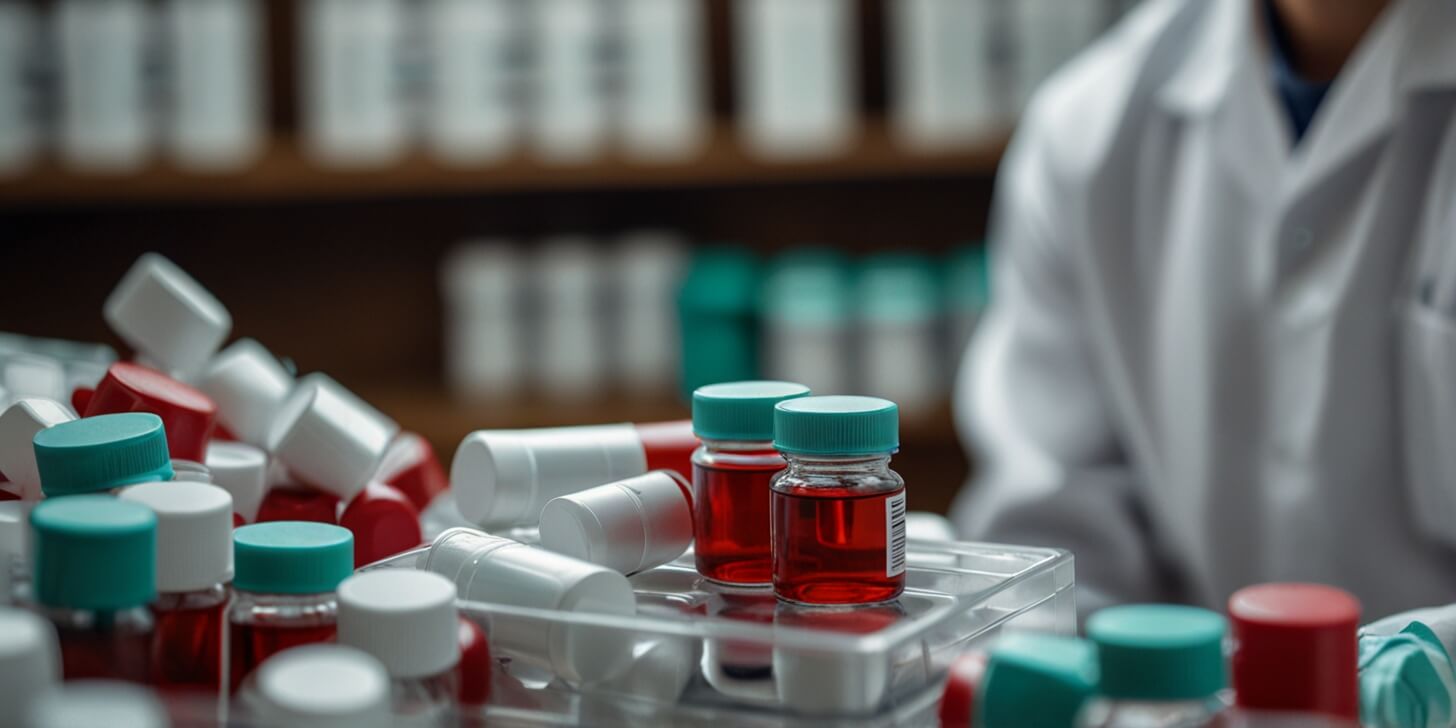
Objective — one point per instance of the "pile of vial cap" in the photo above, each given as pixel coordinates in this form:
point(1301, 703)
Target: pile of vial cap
point(190, 520)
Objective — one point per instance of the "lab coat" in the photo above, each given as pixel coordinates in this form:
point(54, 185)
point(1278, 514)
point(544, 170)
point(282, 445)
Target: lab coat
point(1215, 358)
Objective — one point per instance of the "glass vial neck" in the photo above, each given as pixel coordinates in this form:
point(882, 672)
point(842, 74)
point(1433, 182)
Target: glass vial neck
point(875, 464)
point(754, 446)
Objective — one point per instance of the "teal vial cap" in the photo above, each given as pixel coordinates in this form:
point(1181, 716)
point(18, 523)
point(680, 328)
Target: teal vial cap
point(1159, 652)
point(740, 410)
point(95, 454)
point(837, 425)
point(94, 552)
point(291, 557)
point(1037, 681)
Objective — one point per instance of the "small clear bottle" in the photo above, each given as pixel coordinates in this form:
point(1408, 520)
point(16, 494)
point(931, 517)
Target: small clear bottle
point(407, 620)
point(318, 685)
point(1032, 679)
point(838, 511)
point(94, 575)
point(194, 566)
point(1160, 666)
point(284, 590)
point(731, 474)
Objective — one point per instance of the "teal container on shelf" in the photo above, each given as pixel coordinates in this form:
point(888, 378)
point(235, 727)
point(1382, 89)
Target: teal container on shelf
point(717, 313)
point(968, 278)
point(899, 287)
point(808, 316)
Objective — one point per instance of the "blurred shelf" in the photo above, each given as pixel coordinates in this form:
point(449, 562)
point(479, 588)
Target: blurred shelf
point(445, 420)
point(285, 173)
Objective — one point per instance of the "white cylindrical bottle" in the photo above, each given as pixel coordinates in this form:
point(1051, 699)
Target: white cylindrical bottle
point(105, 121)
point(650, 268)
point(569, 109)
point(407, 620)
point(353, 107)
point(481, 281)
point(491, 569)
point(570, 360)
point(949, 86)
point(249, 386)
point(475, 106)
point(628, 526)
point(662, 103)
point(796, 75)
point(901, 313)
point(215, 116)
point(20, 126)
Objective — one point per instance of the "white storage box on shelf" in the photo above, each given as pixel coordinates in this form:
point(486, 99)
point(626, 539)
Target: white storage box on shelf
point(827, 667)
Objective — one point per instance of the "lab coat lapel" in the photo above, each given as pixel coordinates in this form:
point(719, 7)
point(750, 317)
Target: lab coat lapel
point(1404, 53)
point(1223, 82)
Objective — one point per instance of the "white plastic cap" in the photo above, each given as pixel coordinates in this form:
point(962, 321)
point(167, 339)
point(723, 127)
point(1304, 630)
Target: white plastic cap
point(194, 533)
point(242, 471)
point(30, 659)
point(18, 426)
point(328, 440)
point(502, 571)
point(405, 618)
point(163, 313)
point(629, 526)
point(249, 386)
point(319, 379)
point(322, 686)
point(505, 478)
point(111, 703)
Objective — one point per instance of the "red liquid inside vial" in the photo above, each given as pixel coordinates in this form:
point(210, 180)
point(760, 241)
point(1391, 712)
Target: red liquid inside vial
point(731, 521)
point(105, 653)
point(831, 546)
point(187, 644)
point(251, 644)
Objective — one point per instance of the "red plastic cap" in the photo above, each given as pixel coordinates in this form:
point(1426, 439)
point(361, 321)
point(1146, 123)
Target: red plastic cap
point(958, 703)
point(410, 466)
point(669, 446)
point(383, 522)
point(187, 414)
point(476, 664)
point(295, 503)
point(1296, 649)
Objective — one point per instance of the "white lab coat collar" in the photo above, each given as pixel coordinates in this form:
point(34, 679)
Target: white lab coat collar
point(1403, 54)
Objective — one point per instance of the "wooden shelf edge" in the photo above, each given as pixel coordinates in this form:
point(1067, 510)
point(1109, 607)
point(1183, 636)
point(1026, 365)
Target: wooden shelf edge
point(285, 173)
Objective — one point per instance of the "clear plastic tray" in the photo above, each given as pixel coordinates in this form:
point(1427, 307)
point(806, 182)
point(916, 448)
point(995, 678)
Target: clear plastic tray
point(700, 654)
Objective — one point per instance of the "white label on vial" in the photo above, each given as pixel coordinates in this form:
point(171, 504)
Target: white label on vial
point(895, 535)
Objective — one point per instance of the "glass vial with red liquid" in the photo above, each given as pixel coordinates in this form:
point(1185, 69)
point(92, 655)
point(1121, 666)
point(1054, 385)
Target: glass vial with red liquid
point(94, 566)
point(838, 510)
point(731, 474)
point(287, 573)
point(194, 566)
point(503, 478)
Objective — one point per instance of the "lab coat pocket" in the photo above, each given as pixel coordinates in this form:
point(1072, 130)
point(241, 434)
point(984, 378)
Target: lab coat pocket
point(1428, 392)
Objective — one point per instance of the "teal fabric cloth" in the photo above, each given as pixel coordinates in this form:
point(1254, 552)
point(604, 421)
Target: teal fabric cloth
point(1405, 680)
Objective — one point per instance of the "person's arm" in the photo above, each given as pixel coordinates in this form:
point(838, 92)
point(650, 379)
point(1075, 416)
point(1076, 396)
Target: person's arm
point(1032, 407)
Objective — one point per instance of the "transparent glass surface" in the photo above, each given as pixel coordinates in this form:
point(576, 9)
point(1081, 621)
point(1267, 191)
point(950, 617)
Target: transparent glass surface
point(1154, 714)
